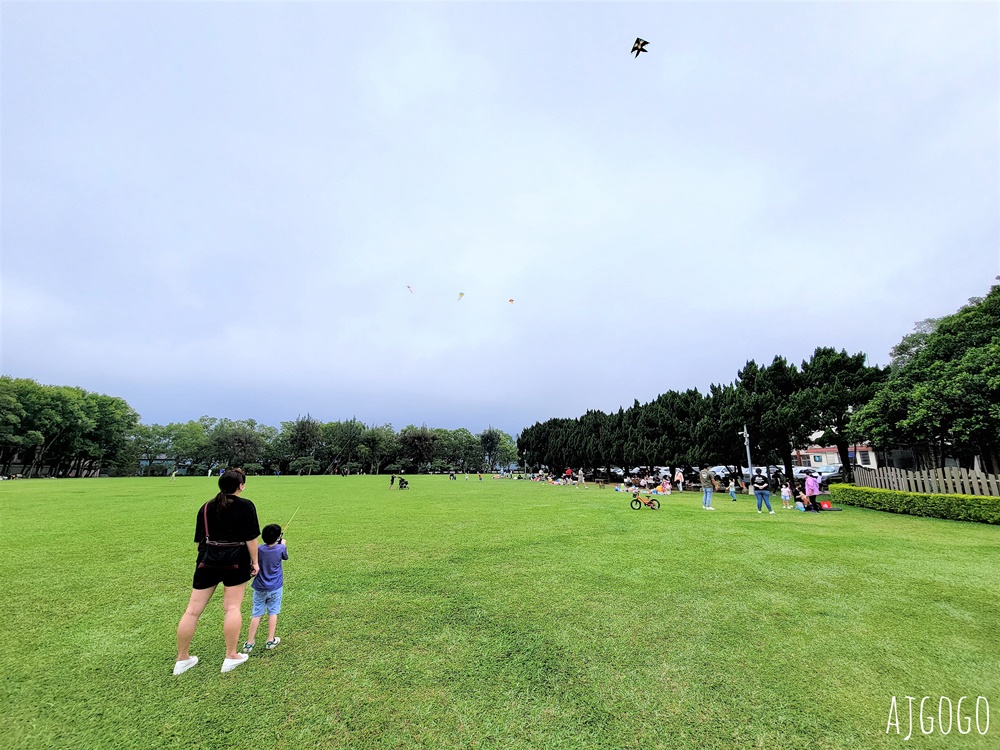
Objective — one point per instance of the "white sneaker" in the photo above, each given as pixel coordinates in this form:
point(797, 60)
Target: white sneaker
point(771, 512)
point(183, 666)
point(760, 511)
point(271, 644)
point(228, 665)
point(709, 508)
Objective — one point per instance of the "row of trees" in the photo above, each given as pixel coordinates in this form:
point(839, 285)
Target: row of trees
point(942, 398)
point(66, 431)
point(939, 397)
point(780, 404)
point(61, 429)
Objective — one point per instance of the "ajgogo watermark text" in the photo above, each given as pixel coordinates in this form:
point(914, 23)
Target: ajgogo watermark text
point(947, 716)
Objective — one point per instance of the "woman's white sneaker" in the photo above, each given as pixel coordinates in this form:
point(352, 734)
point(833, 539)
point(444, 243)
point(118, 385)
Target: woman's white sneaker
point(181, 667)
point(228, 665)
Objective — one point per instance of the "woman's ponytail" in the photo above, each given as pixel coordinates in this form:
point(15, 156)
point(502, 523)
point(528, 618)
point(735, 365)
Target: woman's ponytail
point(229, 482)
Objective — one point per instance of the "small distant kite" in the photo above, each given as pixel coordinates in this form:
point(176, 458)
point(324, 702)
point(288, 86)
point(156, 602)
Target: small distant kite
point(410, 288)
point(511, 301)
point(460, 295)
point(639, 46)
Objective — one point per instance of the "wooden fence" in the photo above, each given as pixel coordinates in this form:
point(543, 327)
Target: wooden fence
point(947, 481)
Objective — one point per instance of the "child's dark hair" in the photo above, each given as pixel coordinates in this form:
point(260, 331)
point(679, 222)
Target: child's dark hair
point(271, 533)
point(229, 482)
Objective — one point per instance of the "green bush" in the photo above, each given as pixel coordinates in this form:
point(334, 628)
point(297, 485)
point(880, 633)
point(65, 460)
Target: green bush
point(954, 507)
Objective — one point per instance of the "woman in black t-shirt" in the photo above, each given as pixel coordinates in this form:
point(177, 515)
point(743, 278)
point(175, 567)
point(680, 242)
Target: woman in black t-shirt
point(229, 518)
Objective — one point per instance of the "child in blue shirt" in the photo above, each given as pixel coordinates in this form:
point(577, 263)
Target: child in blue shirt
point(267, 586)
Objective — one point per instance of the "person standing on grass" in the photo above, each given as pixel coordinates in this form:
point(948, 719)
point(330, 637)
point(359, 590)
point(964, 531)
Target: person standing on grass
point(392, 481)
point(268, 586)
point(679, 480)
point(708, 485)
point(581, 482)
point(228, 518)
point(732, 489)
point(760, 489)
point(812, 492)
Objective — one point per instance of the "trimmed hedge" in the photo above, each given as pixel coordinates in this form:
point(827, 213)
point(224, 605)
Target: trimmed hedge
point(974, 508)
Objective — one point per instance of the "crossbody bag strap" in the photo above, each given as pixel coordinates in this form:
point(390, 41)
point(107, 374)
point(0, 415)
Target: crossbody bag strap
point(204, 509)
point(207, 540)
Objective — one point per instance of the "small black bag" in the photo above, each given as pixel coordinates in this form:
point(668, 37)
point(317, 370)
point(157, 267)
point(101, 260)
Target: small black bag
point(218, 555)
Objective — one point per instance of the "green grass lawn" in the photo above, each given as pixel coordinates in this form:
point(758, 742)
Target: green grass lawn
point(505, 614)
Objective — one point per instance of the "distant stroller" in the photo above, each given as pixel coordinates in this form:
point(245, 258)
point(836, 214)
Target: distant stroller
point(404, 484)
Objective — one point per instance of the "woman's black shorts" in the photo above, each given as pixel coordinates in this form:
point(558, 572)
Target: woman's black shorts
point(206, 578)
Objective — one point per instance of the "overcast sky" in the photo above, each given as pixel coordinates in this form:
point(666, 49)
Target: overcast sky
point(216, 208)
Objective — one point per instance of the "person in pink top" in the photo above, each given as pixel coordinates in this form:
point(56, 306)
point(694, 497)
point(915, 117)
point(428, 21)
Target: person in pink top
point(812, 492)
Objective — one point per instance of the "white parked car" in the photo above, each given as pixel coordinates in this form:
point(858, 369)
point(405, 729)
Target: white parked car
point(799, 472)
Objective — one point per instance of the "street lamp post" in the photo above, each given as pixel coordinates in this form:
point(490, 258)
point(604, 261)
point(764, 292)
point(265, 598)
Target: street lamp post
point(746, 442)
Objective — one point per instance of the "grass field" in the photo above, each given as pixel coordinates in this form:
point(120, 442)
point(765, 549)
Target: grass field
point(505, 614)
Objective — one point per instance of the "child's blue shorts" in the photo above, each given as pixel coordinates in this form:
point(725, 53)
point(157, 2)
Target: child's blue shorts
point(266, 601)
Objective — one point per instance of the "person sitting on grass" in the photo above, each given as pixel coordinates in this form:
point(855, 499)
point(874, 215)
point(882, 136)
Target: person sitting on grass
point(268, 586)
point(802, 500)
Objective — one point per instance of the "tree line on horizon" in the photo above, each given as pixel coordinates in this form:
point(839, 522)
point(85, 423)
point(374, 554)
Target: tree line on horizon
point(50, 430)
point(939, 397)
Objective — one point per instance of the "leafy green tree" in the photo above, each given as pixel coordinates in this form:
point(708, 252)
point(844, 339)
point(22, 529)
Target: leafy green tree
point(340, 443)
point(236, 443)
point(304, 465)
point(680, 441)
point(717, 433)
point(381, 446)
point(497, 449)
point(305, 435)
point(506, 451)
point(148, 442)
point(912, 343)
point(417, 447)
point(834, 385)
point(114, 421)
point(54, 422)
point(941, 399)
point(592, 426)
point(769, 400)
point(189, 440)
point(490, 440)
point(445, 450)
point(467, 450)
point(12, 438)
